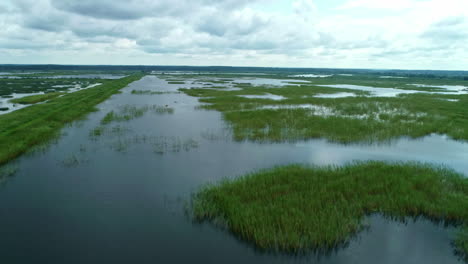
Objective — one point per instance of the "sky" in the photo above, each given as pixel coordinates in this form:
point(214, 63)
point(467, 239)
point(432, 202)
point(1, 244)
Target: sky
point(379, 34)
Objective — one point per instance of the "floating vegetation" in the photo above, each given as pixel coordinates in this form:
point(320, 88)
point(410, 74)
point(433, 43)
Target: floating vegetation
point(297, 208)
point(210, 135)
point(162, 145)
point(7, 172)
point(159, 144)
point(129, 112)
point(73, 161)
point(97, 131)
point(101, 130)
point(149, 92)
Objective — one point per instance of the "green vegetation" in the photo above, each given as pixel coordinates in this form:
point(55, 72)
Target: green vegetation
point(24, 128)
point(36, 98)
point(176, 82)
point(302, 116)
point(461, 243)
point(297, 208)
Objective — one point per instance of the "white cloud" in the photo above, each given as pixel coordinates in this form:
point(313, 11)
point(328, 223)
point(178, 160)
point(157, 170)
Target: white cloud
point(356, 33)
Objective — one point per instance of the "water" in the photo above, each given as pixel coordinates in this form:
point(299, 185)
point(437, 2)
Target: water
point(335, 95)
point(392, 92)
point(312, 75)
point(456, 88)
point(127, 206)
point(265, 96)
point(269, 82)
point(392, 77)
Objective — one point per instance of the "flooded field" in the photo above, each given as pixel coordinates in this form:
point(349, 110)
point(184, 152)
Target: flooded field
point(115, 191)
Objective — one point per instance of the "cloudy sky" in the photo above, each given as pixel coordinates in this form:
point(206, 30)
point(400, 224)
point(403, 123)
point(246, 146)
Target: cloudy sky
point(404, 34)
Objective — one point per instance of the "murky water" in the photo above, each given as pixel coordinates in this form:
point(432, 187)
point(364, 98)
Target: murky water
point(125, 205)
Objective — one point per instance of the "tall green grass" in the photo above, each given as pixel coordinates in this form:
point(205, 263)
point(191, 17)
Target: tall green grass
point(296, 208)
point(24, 128)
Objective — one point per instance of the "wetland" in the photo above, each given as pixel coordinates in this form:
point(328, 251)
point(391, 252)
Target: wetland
point(254, 167)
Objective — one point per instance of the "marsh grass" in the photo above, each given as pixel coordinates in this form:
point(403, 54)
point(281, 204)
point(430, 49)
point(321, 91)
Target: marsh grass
point(360, 119)
point(36, 98)
point(27, 127)
point(299, 208)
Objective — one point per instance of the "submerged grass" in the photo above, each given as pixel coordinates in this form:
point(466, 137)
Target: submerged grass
point(36, 98)
point(24, 128)
point(298, 208)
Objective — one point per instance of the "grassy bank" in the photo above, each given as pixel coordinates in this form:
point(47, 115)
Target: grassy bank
point(296, 208)
point(36, 98)
point(24, 128)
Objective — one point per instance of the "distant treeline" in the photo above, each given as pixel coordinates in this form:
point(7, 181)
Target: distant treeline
point(224, 69)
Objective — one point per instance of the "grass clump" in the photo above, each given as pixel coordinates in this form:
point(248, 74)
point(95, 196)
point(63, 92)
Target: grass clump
point(296, 208)
point(36, 98)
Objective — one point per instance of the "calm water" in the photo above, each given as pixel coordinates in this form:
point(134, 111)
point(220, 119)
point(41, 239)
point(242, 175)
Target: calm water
point(126, 205)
